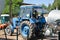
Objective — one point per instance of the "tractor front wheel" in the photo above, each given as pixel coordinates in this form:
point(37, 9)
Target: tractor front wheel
point(26, 30)
point(8, 31)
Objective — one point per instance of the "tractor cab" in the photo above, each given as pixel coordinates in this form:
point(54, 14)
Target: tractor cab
point(4, 18)
point(27, 11)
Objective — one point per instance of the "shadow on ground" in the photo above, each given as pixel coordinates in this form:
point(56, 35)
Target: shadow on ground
point(5, 39)
point(36, 38)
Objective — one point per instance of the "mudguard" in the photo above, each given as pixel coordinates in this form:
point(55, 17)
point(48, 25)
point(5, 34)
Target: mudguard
point(32, 20)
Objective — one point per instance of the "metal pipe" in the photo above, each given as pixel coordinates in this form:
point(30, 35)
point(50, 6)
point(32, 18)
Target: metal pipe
point(5, 34)
point(17, 33)
point(59, 35)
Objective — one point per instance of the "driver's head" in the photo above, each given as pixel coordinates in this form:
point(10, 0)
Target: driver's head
point(36, 13)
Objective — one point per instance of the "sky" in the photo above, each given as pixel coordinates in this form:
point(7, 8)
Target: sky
point(39, 2)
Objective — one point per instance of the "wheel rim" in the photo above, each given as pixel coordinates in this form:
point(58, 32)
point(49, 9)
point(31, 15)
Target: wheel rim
point(8, 31)
point(25, 30)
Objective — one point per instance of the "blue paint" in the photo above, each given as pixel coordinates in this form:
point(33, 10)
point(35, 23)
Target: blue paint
point(14, 21)
point(25, 30)
point(32, 20)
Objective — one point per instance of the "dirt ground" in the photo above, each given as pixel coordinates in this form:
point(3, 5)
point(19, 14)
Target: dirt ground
point(13, 37)
point(2, 37)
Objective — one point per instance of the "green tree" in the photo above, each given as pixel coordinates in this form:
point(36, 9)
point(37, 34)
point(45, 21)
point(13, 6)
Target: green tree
point(56, 4)
point(15, 6)
point(49, 7)
point(44, 6)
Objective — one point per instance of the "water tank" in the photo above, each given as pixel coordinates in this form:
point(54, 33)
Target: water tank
point(53, 16)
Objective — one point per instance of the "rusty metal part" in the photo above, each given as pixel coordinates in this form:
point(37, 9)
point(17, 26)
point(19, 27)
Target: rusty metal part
point(3, 26)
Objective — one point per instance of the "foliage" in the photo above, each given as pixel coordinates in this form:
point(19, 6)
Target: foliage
point(44, 6)
point(49, 7)
point(15, 6)
point(56, 4)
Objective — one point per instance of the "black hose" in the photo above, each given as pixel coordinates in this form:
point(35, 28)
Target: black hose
point(17, 33)
point(58, 35)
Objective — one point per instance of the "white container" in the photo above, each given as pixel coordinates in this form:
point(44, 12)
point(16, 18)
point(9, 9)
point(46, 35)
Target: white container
point(53, 16)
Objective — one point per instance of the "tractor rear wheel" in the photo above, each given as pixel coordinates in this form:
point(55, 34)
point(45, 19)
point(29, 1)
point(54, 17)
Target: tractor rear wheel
point(26, 30)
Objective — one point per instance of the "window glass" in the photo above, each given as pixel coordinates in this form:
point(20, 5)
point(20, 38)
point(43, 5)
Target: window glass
point(25, 12)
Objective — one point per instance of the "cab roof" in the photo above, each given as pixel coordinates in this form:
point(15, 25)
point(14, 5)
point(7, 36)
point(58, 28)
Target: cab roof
point(23, 6)
point(5, 15)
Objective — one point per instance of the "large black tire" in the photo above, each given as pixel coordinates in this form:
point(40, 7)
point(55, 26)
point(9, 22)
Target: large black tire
point(30, 29)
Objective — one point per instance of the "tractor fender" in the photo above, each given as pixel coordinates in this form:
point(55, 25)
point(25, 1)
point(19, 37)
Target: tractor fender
point(32, 20)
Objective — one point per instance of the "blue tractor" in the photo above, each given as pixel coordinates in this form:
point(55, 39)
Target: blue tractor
point(32, 21)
